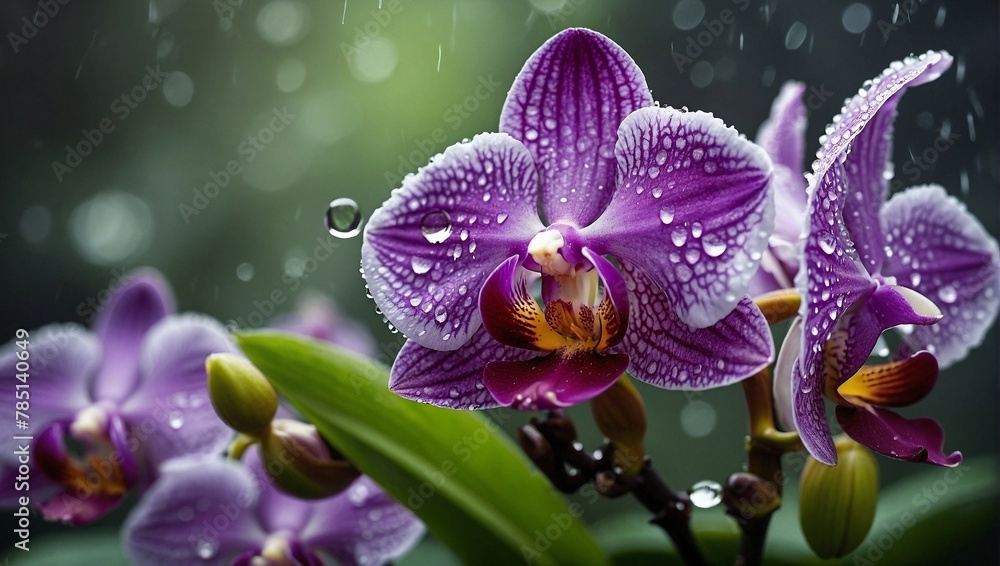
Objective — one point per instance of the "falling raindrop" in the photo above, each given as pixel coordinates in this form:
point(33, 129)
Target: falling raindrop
point(706, 494)
point(436, 226)
point(244, 272)
point(796, 36)
point(343, 218)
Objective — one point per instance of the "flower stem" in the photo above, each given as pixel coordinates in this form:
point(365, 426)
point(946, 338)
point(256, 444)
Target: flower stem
point(551, 444)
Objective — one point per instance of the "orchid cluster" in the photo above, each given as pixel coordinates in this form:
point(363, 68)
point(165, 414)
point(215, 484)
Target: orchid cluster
point(598, 236)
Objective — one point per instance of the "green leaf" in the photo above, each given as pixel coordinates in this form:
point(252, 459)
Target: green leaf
point(456, 470)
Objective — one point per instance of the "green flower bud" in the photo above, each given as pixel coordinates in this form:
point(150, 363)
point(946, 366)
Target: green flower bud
point(620, 414)
point(299, 462)
point(837, 504)
point(241, 395)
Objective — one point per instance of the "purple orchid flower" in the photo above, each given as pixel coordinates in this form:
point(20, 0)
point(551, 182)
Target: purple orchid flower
point(782, 135)
point(133, 393)
point(317, 316)
point(678, 199)
point(869, 265)
point(214, 511)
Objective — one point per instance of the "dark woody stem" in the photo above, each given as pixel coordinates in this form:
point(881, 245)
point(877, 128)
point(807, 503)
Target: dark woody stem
point(751, 498)
point(552, 444)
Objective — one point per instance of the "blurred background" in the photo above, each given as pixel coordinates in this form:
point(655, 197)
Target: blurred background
point(206, 139)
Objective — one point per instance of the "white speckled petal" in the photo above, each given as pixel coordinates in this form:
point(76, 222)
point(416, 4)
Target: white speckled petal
point(942, 251)
point(428, 249)
point(693, 209)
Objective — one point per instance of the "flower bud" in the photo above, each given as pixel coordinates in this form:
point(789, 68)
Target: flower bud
point(241, 395)
point(837, 503)
point(620, 414)
point(301, 464)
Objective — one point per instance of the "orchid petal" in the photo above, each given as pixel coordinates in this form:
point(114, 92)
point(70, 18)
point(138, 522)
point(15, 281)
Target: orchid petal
point(895, 384)
point(887, 307)
point(62, 360)
point(782, 135)
point(561, 379)
point(452, 379)
point(943, 252)
point(830, 281)
point(885, 432)
point(511, 315)
point(693, 209)
point(665, 352)
point(362, 526)
point(864, 127)
point(173, 393)
point(788, 357)
point(168, 527)
point(613, 312)
point(428, 249)
point(122, 325)
point(565, 106)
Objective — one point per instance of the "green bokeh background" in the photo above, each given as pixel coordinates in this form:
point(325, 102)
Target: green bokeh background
point(374, 94)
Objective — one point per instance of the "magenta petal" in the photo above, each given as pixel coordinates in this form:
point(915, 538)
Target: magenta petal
point(693, 209)
point(173, 396)
point(887, 307)
point(561, 379)
point(362, 526)
point(510, 314)
point(885, 432)
point(830, 281)
point(565, 106)
point(428, 249)
point(452, 379)
point(122, 325)
point(945, 254)
point(865, 127)
point(173, 523)
point(79, 511)
point(614, 309)
point(665, 352)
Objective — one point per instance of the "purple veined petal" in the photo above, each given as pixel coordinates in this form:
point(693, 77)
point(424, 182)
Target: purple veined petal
point(885, 432)
point(565, 106)
point(452, 379)
point(62, 360)
point(201, 510)
point(362, 526)
point(665, 352)
point(428, 249)
point(561, 379)
point(788, 357)
point(830, 280)
point(773, 274)
point(887, 307)
point(693, 209)
point(782, 135)
point(613, 312)
point(171, 408)
point(865, 127)
point(144, 300)
point(943, 252)
point(510, 313)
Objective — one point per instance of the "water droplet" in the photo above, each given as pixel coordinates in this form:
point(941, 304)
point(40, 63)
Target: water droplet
point(696, 229)
point(713, 245)
point(420, 265)
point(343, 218)
point(176, 420)
point(678, 236)
point(436, 226)
point(440, 313)
point(531, 135)
point(666, 215)
point(454, 393)
point(501, 217)
point(206, 549)
point(185, 513)
point(706, 494)
point(827, 242)
point(947, 294)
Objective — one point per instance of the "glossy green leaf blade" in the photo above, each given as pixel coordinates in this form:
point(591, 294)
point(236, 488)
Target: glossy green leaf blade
point(467, 481)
